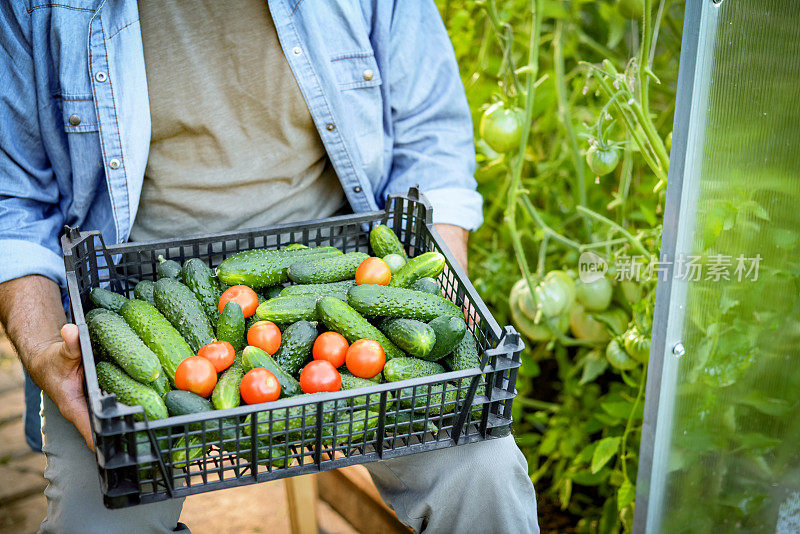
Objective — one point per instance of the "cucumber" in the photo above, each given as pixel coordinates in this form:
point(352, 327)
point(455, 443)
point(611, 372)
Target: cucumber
point(426, 284)
point(350, 381)
point(263, 268)
point(103, 298)
point(465, 354)
point(128, 391)
point(270, 292)
point(121, 344)
point(144, 291)
point(429, 264)
point(199, 277)
point(185, 402)
point(400, 423)
point(181, 308)
point(168, 268)
point(292, 419)
point(253, 357)
point(340, 317)
point(384, 241)
point(353, 429)
point(295, 349)
point(394, 261)
point(437, 405)
point(326, 270)
point(158, 334)
point(161, 384)
point(182, 455)
point(226, 392)
point(289, 309)
point(333, 289)
point(449, 331)
point(369, 299)
point(412, 336)
point(406, 368)
point(294, 246)
point(230, 326)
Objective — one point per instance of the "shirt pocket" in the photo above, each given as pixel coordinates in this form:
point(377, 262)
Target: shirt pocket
point(359, 82)
point(78, 114)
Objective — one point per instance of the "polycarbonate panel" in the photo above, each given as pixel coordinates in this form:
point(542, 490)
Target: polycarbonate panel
point(721, 450)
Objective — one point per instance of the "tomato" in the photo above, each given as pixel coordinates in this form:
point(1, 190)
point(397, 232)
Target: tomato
point(196, 374)
point(373, 271)
point(365, 358)
point(330, 346)
point(320, 375)
point(602, 161)
point(595, 295)
point(265, 335)
point(501, 127)
point(555, 294)
point(525, 323)
point(259, 385)
point(636, 344)
point(618, 358)
point(627, 292)
point(615, 319)
point(243, 296)
point(585, 326)
point(394, 261)
point(219, 353)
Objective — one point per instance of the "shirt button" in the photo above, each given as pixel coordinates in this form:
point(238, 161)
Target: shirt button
point(297, 50)
point(330, 126)
point(357, 189)
point(114, 163)
point(100, 77)
point(74, 120)
point(368, 74)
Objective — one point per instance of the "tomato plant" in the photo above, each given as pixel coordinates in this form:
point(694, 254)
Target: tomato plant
point(196, 374)
point(219, 353)
point(602, 160)
point(365, 358)
point(330, 346)
point(501, 127)
point(373, 271)
point(243, 296)
point(265, 335)
point(259, 385)
point(318, 376)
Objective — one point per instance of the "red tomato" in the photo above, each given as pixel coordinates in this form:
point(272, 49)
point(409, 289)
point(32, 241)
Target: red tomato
point(265, 335)
point(365, 358)
point(330, 346)
point(243, 296)
point(259, 385)
point(219, 353)
point(373, 271)
point(320, 375)
point(196, 374)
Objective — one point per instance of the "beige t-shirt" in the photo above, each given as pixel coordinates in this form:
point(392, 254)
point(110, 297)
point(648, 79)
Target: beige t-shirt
point(233, 144)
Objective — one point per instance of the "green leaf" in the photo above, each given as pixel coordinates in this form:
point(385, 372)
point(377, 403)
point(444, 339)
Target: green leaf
point(625, 494)
point(767, 405)
point(606, 449)
point(593, 368)
point(620, 409)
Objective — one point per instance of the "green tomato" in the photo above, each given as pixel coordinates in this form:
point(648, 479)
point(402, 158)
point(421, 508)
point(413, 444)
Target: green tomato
point(521, 294)
point(627, 292)
point(394, 261)
point(615, 319)
point(618, 358)
point(555, 294)
point(636, 344)
point(586, 327)
point(501, 127)
point(595, 295)
point(528, 327)
point(602, 161)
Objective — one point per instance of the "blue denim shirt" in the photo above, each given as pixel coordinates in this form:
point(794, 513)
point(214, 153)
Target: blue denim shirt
point(379, 77)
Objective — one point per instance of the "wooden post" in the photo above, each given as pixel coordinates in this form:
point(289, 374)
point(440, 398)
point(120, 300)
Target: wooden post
point(301, 493)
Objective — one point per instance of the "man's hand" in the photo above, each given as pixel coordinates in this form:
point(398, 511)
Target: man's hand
point(456, 239)
point(30, 309)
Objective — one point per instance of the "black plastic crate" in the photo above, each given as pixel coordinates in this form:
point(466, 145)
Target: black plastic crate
point(145, 461)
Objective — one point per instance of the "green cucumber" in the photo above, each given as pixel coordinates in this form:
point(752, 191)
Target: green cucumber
point(199, 277)
point(412, 336)
point(144, 291)
point(295, 349)
point(185, 402)
point(436, 405)
point(294, 246)
point(121, 344)
point(263, 268)
point(449, 331)
point(253, 357)
point(401, 423)
point(406, 368)
point(287, 419)
point(427, 265)
point(465, 354)
point(271, 292)
point(340, 317)
point(333, 289)
point(168, 268)
point(161, 384)
point(230, 326)
point(112, 379)
point(384, 241)
point(325, 270)
point(226, 392)
point(289, 309)
point(350, 381)
point(426, 284)
point(182, 455)
point(103, 298)
point(353, 429)
point(369, 299)
point(158, 334)
point(181, 308)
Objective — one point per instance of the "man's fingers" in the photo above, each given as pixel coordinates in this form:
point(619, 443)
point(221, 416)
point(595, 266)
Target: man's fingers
point(76, 412)
point(72, 346)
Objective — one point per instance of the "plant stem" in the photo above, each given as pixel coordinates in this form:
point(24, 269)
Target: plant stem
point(629, 422)
point(605, 220)
point(534, 215)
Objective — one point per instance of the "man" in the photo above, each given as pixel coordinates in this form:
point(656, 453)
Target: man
point(176, 118)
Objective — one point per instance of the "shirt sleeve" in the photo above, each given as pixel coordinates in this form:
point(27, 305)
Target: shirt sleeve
point(431, 121)
point(30, 215)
